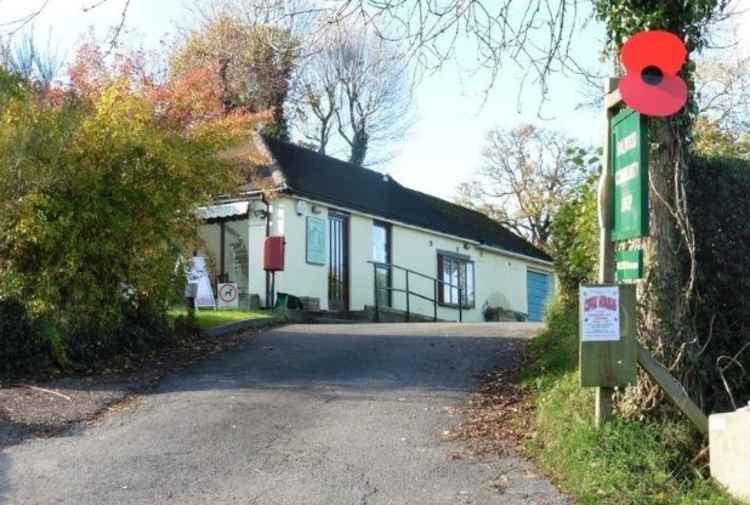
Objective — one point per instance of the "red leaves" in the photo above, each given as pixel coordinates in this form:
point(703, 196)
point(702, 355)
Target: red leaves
point(181, 102)
point(652, 60)
point(191, 98)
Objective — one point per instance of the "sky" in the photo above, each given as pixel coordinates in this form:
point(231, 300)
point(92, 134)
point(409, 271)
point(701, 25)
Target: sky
point(453, 115)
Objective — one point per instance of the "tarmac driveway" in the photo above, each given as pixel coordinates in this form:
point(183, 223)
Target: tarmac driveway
point(303, 415)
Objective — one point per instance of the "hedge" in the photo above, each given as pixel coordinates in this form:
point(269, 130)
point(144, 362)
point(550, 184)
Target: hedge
point(718, 190)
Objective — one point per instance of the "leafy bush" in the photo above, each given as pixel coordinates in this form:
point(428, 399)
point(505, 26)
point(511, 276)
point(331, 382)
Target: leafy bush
point(20, 344)
point(719, 212)
point(575, 239)
point(502, 314)
point(98, 185)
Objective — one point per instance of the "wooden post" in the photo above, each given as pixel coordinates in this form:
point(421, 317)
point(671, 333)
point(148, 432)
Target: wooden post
point(673, 389)
point(606, 247)
point(603, 411)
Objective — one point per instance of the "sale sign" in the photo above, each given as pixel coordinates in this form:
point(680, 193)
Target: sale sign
point(600, 313)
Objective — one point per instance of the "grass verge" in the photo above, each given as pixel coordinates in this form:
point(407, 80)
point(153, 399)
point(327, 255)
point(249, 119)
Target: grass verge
point(627, 462)
point(214, 318)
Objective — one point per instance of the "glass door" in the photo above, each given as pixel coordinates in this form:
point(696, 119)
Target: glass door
point(338, 262)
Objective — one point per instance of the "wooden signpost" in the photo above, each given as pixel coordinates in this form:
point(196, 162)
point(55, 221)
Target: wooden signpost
point(608, 357)
point(607, 316)
point(606, 246)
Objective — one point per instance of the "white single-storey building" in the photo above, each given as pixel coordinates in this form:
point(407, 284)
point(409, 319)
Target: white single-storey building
point(337, 218)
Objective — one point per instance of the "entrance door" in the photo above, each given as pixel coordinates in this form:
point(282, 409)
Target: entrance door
point(338, 264)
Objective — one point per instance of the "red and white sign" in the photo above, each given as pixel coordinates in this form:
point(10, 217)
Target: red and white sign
point(600, 313)
point(229, 296)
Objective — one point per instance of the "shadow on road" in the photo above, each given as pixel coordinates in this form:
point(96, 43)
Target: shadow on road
point(353, 357)
point(359, 360)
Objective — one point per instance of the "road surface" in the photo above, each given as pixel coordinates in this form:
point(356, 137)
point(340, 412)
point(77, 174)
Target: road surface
point(302, 415)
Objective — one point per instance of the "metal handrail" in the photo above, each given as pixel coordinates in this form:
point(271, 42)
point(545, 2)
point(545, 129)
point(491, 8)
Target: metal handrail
point(408, 292)
point(391, 265)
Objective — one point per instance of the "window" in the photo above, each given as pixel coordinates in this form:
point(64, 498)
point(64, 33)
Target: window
point(455, 271)
point(381, 252)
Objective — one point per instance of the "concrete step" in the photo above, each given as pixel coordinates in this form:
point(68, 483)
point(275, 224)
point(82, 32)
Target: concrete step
point(335, 320)
point(312, 317)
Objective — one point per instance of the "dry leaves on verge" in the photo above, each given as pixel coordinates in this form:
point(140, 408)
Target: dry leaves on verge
point(497, 418)
point(46, 406)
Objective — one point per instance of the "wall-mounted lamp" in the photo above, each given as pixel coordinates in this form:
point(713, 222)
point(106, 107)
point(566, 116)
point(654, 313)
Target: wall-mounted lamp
point(300, 207)
point(316, 209)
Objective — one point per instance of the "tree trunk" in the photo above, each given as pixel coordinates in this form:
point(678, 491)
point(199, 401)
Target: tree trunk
point(358, 151)
point(664, 293)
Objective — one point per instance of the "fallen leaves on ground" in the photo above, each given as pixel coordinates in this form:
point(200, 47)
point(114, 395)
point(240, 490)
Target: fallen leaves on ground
point(496, 419)
point(46, 406)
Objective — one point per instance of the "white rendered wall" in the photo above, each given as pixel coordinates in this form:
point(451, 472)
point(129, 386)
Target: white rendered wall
point(500, 280)
point(256, 235)
point(360, 272)
point(299, 278)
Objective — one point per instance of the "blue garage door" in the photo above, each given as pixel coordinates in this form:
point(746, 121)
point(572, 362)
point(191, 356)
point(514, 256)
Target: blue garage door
point(538, 289)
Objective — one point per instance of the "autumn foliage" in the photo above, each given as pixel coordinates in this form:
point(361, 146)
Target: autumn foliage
point(98, 183)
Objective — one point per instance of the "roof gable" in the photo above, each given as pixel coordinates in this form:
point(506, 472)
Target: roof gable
point(337, 182)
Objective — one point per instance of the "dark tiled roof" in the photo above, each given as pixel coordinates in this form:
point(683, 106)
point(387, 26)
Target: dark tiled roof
point(333, 181)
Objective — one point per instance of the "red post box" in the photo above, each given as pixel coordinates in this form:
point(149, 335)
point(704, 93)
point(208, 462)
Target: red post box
point(273, 254)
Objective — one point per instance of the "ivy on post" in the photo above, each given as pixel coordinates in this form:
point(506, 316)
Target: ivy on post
point(623, 211)
point(606, 247)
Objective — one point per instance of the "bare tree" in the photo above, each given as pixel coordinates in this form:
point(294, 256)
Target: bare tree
point(358, 87)
point(318, 97)
point(528, 172)
point(722, 84)
point(25, 58)
point(16, 25)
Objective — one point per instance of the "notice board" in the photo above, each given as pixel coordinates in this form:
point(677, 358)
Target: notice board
point(607, 335)
point(315, 241)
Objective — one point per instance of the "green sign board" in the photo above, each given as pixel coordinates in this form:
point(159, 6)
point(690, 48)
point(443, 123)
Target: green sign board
point(316, 241)
point(629, 156)
point(629, 265)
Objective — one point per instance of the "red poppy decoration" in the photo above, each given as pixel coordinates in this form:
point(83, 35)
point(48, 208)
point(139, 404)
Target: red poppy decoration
point(652, 60)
